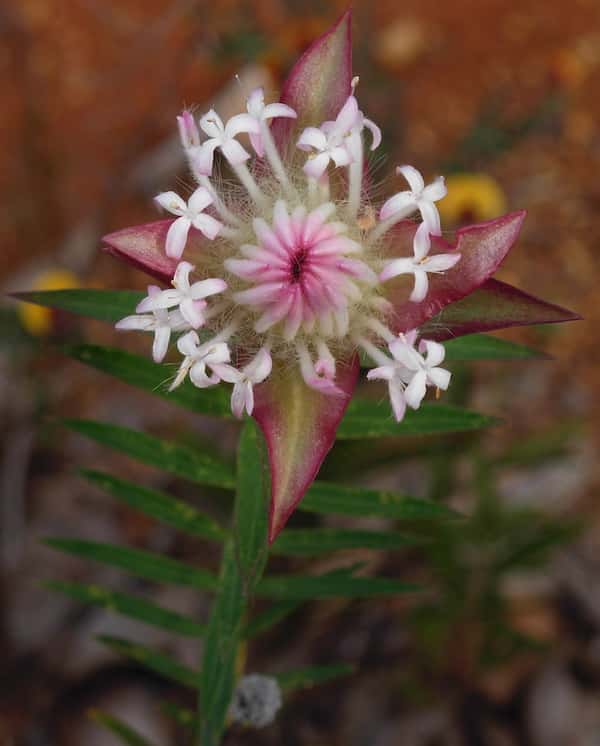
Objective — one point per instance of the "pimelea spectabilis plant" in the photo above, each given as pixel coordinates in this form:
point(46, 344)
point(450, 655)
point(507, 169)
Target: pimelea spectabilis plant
point(275, 283)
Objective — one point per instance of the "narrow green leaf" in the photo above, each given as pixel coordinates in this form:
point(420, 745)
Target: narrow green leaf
point(130, 606)
point(485, 347)
point(163, 454)
point(373, 419)
point(158, 505)
point(120, 729)
point(103, 305)
point(158, 662)
point(138, 562)
point(251, 511)
point(318, 540)
point(327, 497)
point(306, 587)
point(145, 374)
point(220, 649)
point(302, 678)
point(270, 617)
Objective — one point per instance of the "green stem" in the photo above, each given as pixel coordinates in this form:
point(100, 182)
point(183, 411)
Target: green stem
point(242, 565)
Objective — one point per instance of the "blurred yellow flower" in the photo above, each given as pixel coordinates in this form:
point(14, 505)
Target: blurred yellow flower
point(36, 319)
point(471, 198)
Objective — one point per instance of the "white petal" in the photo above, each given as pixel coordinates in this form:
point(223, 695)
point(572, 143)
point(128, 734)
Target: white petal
point(436, 190)
point(415, 391)
point(177, 237)
point(431, 217)
point(227, 373)
point(421, 242)
point(260, 367)
point(257, 144)
point(234, 152)
point(397, 400)
point(405, 354)
point(375, 133)
point(402, 266)
point(160, 345)
point(255, 103)
point(401, 205)
point(199, 377)
point(215, 353)
point(421, 286)
point(200, 199)
point(203, 157)
point(434, 352)
point(165, 299)
point(273, 111)
point(181, 278)
point(316, 166)
point(348, 116)
point(439, 377)
point(241, 123)
point(384, 373)
point(207, 225)
point(204, 288)
point(312, 137)
point(140, 322)
point(192, 312)
point(212, 124)
point(414, 178)
point(249, 396)
point(187, 344)
point(171, 202)
point(441, 262)
point(341, 156)
point(238, 399)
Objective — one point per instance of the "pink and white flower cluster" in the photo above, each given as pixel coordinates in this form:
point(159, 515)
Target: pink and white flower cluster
point(296, 261)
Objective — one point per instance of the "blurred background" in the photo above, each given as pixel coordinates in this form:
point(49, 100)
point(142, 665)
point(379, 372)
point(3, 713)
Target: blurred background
point(500, 97)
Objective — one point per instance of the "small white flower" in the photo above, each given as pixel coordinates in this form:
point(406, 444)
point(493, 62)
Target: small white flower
point(257, 370)
point(420, 264)
point(190, 214)
point(189, 298)
point(409, 373)
point(419, 197)
point(223, 136)
point(256, 108)
point(160, 321)
point(196, 359)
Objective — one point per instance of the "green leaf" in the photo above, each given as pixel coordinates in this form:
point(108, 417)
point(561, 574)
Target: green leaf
point(103, 305)
point(313, 541)
point(130, 606)
point(220, 649)
point(307, 587)
point(270, 617)
point(172, 457)
point(158, 505)
point(160, 663)
point(301, 678)
point(145, 374)
point(251, 506)
point(327, 497)
point(373, 419)
point(138, 562)
point(485, 347)
point(126, 734)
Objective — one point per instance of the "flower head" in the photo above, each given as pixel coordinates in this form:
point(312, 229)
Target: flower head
point(305, 275)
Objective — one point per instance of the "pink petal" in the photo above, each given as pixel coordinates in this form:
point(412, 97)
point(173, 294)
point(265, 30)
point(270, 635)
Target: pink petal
point(495, 305)
point(483, 247)
point(320, 81)
point(144, 247)
point(299, 425)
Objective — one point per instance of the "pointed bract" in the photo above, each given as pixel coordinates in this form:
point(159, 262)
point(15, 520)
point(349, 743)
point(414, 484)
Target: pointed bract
point(320, 81)
point(299, 426)
point(483, 247)
point(495, 305)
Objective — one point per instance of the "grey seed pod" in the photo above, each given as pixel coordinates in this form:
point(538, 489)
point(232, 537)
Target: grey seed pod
point(256, 700)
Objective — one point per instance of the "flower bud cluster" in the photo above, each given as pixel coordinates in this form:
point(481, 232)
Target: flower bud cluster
point(287, 270)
